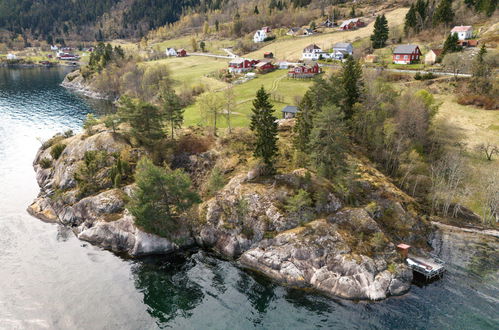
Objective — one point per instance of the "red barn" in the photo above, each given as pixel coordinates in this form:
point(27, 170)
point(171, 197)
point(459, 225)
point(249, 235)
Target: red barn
point(406, 54)
point(304, 71)
point(264, 67)
point(181, 53)
point(239, 65)
point(351, 24)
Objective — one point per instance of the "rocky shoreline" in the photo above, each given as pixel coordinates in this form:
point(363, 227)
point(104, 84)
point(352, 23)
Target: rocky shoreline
point(74, 81)
point(245, 222)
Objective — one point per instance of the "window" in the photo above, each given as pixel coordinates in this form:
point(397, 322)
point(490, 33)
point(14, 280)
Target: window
point(397, 57)
point(406, 57)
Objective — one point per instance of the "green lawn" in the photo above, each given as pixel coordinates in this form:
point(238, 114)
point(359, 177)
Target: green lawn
point(283, 90)
point(213, 46)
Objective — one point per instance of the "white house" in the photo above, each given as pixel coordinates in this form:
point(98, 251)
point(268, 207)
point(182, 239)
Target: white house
point(11, 56)
point(260, 36)
point(171, 52)
point(54, 48)
point(463, 32)
point(342, 50)
point(312, 52)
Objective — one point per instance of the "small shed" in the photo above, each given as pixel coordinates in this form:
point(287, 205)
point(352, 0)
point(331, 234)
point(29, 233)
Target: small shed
point(404, 249)
point(432, 56)
point(289, 111)
point(11, 56)
point(182, 53)
point(268, 55)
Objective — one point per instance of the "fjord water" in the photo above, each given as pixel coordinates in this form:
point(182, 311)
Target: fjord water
point(49, 279)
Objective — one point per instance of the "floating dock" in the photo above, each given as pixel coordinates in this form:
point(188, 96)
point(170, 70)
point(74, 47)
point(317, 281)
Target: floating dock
point(429, 268)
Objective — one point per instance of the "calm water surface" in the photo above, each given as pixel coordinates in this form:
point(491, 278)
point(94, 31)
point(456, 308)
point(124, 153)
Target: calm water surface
point(49, 279)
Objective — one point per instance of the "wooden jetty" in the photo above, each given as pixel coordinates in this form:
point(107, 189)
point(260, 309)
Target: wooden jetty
point(430, 268)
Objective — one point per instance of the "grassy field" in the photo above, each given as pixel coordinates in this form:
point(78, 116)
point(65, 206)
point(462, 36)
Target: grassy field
point(291, 49)
point(192, 70)
point(283, 92)
point(472, 126)
point(213, 46)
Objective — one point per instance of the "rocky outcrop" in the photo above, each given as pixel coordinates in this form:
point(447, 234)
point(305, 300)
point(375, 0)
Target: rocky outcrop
point(340, 250)
point(76, 82)
point(100, 219)
point(316, 256)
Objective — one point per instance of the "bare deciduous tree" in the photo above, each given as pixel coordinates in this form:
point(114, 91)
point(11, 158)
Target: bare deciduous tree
point(488, 149)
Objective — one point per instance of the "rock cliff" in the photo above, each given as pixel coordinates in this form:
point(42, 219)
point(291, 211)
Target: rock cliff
point(338, 248)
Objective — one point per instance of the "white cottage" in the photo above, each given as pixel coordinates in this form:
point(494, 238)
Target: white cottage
point(171, 52)
point(463, 32)
point(260, 36)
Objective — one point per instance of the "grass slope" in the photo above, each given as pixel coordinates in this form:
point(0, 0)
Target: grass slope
point(291, 49)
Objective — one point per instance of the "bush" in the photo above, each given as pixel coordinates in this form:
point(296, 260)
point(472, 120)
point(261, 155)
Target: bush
point(57, 150)
point(69, 133)
point(483, 101)
point(87, 174)
point(193, 144)
point(216, 181)
point(45, 163)
point(269, 38)
point(55, 139)
point(89, 123)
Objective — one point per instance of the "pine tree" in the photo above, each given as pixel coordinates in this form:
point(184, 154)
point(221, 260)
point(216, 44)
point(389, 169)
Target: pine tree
point(145, 119)
point(451, 44)
point(444, 13)
point(410, 20)
point(352, 12)
point(480, 80)
point(264, 125)
point(380, 33)
point(328, 142)
point(173, 112)
point(256, 11)
point(351, 79)
point(304, 123)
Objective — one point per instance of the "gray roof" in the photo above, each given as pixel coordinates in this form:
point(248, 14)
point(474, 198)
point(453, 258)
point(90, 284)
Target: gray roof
point(405, 49)
point(238, 60)
point(342, 45)
point(290, 109)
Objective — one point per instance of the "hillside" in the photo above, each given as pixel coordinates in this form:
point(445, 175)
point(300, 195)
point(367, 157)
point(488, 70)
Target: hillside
point(291, 49)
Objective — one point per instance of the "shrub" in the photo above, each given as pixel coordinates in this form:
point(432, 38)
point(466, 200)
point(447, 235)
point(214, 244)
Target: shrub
point(483, 101)
point(378, 241)
point(57, 150)
point(45, 163)
point(89, 123)
point(392, 268)
point(87, 174)
point(50, 142)
point(216, 181)
point(193, 144)
point(69, 133)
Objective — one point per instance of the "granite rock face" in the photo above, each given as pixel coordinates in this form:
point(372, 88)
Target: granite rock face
point(342, 251)
point(100, 219)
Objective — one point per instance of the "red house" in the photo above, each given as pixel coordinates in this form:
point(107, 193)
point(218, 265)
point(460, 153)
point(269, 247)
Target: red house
point(406, 54)
point(181, 53)
point(351, 24)
point(304, 71)
point(239, 65)
point(264, 67)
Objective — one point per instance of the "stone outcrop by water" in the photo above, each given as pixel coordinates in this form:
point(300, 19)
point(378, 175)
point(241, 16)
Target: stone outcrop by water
point(76, 82)
point(340, 250)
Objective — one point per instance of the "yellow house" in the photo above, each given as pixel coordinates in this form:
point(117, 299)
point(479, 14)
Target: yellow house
point(431, 57)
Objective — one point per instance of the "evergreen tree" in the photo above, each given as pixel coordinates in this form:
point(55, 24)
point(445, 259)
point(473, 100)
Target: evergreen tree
point(304, 123)
point(480, 80)
point(173, 112)
point(217, 25)
point(256, 11)
point(351, 80)
point(146, 120)
point(352, 12)
point(328, 142)
point(162, 195)
point(264, 125)
point(380, 33)
point(444, 13)
point(451, 44)
point(410, 20)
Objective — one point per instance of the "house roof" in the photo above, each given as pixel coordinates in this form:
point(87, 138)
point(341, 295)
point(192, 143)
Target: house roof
point(237, 61)
point(461, 28)
point(403, 246)
point(348, 21)
point(405, 49)
point(342, 45)
point(294, 29)
point(290, 109)
point(310, 48)
point(263, 63)
point(437, 52)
